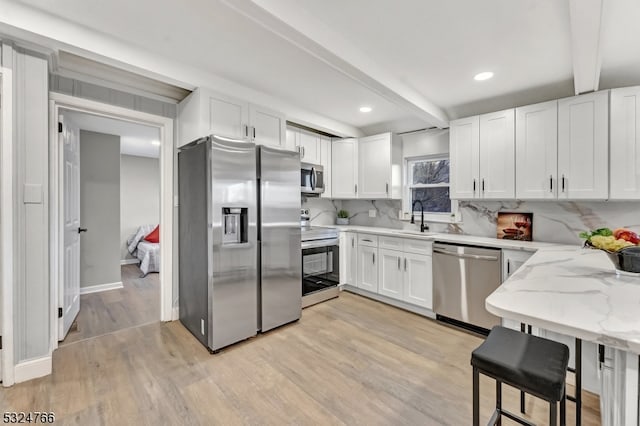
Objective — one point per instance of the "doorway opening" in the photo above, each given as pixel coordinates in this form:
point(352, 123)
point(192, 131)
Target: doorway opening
point(111, 188)
point(107, 196)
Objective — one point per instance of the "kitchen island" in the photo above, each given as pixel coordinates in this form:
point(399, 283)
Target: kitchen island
point(577, 292)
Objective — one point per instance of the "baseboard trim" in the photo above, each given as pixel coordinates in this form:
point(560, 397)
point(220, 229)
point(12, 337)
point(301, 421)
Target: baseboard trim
point(101, 287)
point(389, 301)
point(129, 262)
point(32, 369)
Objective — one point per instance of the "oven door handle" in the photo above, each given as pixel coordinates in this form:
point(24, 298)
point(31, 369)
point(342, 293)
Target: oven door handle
point(319, 243)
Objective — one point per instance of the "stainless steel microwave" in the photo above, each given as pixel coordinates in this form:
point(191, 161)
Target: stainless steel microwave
point(311, 179)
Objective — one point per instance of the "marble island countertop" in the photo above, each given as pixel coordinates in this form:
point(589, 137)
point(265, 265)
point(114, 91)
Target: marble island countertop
point(573, 291)
point(449, 238)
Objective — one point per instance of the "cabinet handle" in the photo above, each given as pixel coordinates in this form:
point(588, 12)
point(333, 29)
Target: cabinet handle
point(303, 151)
point(551, 183)
point(405, 264)
point(374, 257)
point(562, 183)
point(254, 132)
point(369, 241)
point(352, 242)
point(508, 267)
point(398, 264)
point(246, 131)
point(483, 185)
point(600, 356)
point(387, 188)
point(356, 187)
point(474, 185)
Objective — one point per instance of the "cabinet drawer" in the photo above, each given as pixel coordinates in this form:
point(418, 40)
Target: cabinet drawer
point(418, 246)
point(367, 240)
point(391, 243)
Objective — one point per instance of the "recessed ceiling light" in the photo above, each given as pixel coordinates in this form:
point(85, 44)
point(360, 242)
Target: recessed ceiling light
point(483, 76)
point(156, 143)
point(365, 109)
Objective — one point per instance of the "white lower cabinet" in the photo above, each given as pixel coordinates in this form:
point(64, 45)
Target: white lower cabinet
point(418, 285)
point(390, 271)
point(512, 260)
point(349, 258)
point(367, 275)
point(394, 267)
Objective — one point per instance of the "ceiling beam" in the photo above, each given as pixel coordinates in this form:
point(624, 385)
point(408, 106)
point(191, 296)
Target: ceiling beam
point(586, 26)
point(19, 22)
point(309, 34)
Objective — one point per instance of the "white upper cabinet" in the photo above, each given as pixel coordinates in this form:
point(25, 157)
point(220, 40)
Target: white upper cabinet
point(497, 155)
point(344, 168)
point(267, 127)
point(482, 150)
point(583, 147)
point(325, 162)
point(379, 166)
point(537, 151)
point(309, 146)
point(464, 151)
point(205, 112)
point(625, 144)
point(291, 142)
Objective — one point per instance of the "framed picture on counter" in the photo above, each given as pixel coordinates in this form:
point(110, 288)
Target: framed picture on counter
point(515, 226)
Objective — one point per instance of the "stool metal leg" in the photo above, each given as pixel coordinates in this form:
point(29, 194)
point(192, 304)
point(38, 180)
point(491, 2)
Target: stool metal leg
point(578, 366)
point(563, 408)
point(499, 402)
point(522, 409)
point(476, 397)
point(553, 413)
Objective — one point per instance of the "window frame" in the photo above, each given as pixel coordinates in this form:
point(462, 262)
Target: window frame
point(429, 216)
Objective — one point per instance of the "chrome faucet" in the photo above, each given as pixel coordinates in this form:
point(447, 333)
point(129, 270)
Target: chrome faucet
point(422, 225)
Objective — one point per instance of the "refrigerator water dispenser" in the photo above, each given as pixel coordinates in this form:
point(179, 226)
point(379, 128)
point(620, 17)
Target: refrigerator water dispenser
point(234, 225)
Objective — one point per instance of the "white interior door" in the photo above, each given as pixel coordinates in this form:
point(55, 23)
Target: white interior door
point(69, 295)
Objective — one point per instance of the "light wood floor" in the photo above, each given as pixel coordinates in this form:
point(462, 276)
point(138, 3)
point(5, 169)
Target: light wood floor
point(348, 361)
point(135, 304)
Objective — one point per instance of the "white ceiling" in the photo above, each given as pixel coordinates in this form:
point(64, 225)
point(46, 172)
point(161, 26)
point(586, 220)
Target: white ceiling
point(413, 61)
point(135, 139)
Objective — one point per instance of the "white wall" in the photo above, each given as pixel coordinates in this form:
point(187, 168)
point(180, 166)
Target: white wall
point(25, 204)
point(139, 196)
point(99, 208)
point(430, 142)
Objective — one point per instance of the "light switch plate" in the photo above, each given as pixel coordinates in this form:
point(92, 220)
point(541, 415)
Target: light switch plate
point(372, 213)
point(32, 193)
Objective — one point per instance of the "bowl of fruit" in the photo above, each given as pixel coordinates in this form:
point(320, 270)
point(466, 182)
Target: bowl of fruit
point(621, 245)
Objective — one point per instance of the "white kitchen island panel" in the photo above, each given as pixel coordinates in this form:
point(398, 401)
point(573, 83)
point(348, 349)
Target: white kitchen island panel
point(576, 292)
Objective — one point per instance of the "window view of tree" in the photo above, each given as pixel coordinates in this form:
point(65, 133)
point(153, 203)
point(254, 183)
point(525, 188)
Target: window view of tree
point(429, 182)
point(430, 172)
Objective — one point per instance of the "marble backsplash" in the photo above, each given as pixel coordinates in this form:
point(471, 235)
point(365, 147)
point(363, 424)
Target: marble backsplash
point(552, 221)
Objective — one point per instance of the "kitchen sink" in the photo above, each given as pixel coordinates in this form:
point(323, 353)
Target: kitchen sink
point(425, 234)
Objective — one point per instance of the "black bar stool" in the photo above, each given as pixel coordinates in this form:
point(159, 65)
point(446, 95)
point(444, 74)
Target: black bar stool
point(531, 364)
point(577, 371)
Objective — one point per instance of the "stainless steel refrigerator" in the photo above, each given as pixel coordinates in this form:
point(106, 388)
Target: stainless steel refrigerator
point(239, 244)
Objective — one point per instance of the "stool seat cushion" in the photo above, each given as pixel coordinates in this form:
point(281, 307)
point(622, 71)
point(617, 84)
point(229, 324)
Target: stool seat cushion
point(533, 364)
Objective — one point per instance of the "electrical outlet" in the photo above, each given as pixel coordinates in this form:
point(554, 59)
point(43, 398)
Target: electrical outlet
point(372, 213)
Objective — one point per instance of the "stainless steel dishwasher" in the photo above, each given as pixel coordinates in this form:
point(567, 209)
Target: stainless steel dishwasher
point(463, 277)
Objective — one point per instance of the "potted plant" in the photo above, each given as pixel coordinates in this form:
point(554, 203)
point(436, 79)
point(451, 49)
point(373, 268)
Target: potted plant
point(343, 217)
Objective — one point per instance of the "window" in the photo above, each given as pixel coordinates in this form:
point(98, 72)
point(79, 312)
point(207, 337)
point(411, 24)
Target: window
point(427, 180)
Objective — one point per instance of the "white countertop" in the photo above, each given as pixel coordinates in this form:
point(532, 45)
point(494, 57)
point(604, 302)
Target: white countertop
point(449, 238)
point(573, 291)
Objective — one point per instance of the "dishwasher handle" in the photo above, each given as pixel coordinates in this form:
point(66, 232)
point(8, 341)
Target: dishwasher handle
point(466, 256)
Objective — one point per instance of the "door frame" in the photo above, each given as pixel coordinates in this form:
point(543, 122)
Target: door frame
point(165, 125)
